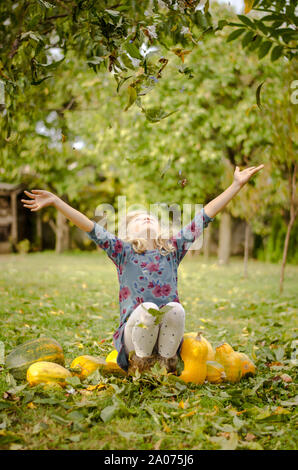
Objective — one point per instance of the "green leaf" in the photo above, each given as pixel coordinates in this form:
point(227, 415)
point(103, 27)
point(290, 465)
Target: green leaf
point(235, 34)
point(247, 38)
point(31, 35)
point(38, 82)
point(262, 27)
point(264, 49)
point(276, 52)
point(258, 92)
point(108, 412)
point(113, 12)
point(73, 381)
point(156, 114)
point(95, 60)
point(132, 50)
point(180, 365)
point(221, 24)
point(255, 42)
point(123, 80)
point(279, 353)
point(275, 17)
point(152, 413)
point(52, 65)
point(132, 96)
point(247, 21)
point(46, 4)
point(167, 167)
point(59, 419)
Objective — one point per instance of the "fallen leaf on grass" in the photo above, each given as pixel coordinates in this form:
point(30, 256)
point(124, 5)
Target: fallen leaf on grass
point(166, 428)
point(96, 387)
point(250, 437)
point(186, 415)
point(60, 420)
point(10, 396)
point(230, 443)
point(31, 405)
point(158, 444)
point(280, 411)
point(286, 378)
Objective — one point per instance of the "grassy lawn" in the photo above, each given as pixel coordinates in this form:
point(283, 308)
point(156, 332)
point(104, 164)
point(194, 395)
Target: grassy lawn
point(74, 298)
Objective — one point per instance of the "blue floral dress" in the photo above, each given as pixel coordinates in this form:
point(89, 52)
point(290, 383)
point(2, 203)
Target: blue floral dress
point(145, 277)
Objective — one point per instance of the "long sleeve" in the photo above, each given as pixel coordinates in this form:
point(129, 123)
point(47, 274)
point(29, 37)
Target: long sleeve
point(188, 234)
point(112, 245)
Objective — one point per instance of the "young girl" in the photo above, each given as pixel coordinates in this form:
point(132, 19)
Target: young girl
point(147, 273)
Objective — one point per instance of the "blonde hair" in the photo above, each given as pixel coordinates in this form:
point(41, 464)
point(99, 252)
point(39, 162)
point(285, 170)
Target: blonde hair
point(164, 245)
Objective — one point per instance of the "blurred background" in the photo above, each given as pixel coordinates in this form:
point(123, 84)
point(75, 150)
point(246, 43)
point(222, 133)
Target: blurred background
point(84, 135)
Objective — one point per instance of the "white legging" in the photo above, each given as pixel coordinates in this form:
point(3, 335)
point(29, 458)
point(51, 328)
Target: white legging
point(167, 334)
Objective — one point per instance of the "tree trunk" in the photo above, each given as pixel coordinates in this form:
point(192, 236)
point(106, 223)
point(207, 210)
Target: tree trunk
point(246, 247)
point(293, 213)
point(207, 242)
point(224, 245)
point(39, 231)
point(62, 233)
point(284, 256)
point(14, 225)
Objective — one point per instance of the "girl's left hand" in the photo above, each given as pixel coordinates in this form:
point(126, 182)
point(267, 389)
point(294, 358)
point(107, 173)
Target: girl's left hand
point(242, 177)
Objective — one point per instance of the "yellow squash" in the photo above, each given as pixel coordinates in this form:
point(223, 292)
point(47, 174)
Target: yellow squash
point(44, 372)
point(225, 355)
point(248, 367)
point(111, 363)
point(112, 357)
point(194, 353)
point(211, 353)
point(40, 349)
point(215, 372)
point(85, 365)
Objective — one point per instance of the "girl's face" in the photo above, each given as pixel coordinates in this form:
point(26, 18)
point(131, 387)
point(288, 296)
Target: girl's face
point(143, 226)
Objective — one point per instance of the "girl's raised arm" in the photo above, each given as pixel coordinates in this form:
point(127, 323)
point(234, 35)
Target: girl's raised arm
point(112, 245)
point(41, 198)
point(240, 179)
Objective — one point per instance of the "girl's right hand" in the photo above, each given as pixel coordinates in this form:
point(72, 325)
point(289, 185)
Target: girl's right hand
point(40, 199)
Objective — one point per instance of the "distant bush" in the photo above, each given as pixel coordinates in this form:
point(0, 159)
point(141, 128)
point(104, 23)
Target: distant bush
point(23, 246)
point(271, 248)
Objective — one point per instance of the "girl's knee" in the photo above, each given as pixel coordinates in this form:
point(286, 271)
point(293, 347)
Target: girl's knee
point(176, 312)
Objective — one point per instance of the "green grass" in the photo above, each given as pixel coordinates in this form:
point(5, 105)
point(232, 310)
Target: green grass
point(74, 298)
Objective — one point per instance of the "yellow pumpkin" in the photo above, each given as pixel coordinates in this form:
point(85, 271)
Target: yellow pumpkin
point(215, 372)
point(194, 353)
point(225, 355)
point(85, 365)
point(47, 372)
point(248, 367)
point(211, 353)
point(111, 362)
point(112, 357)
